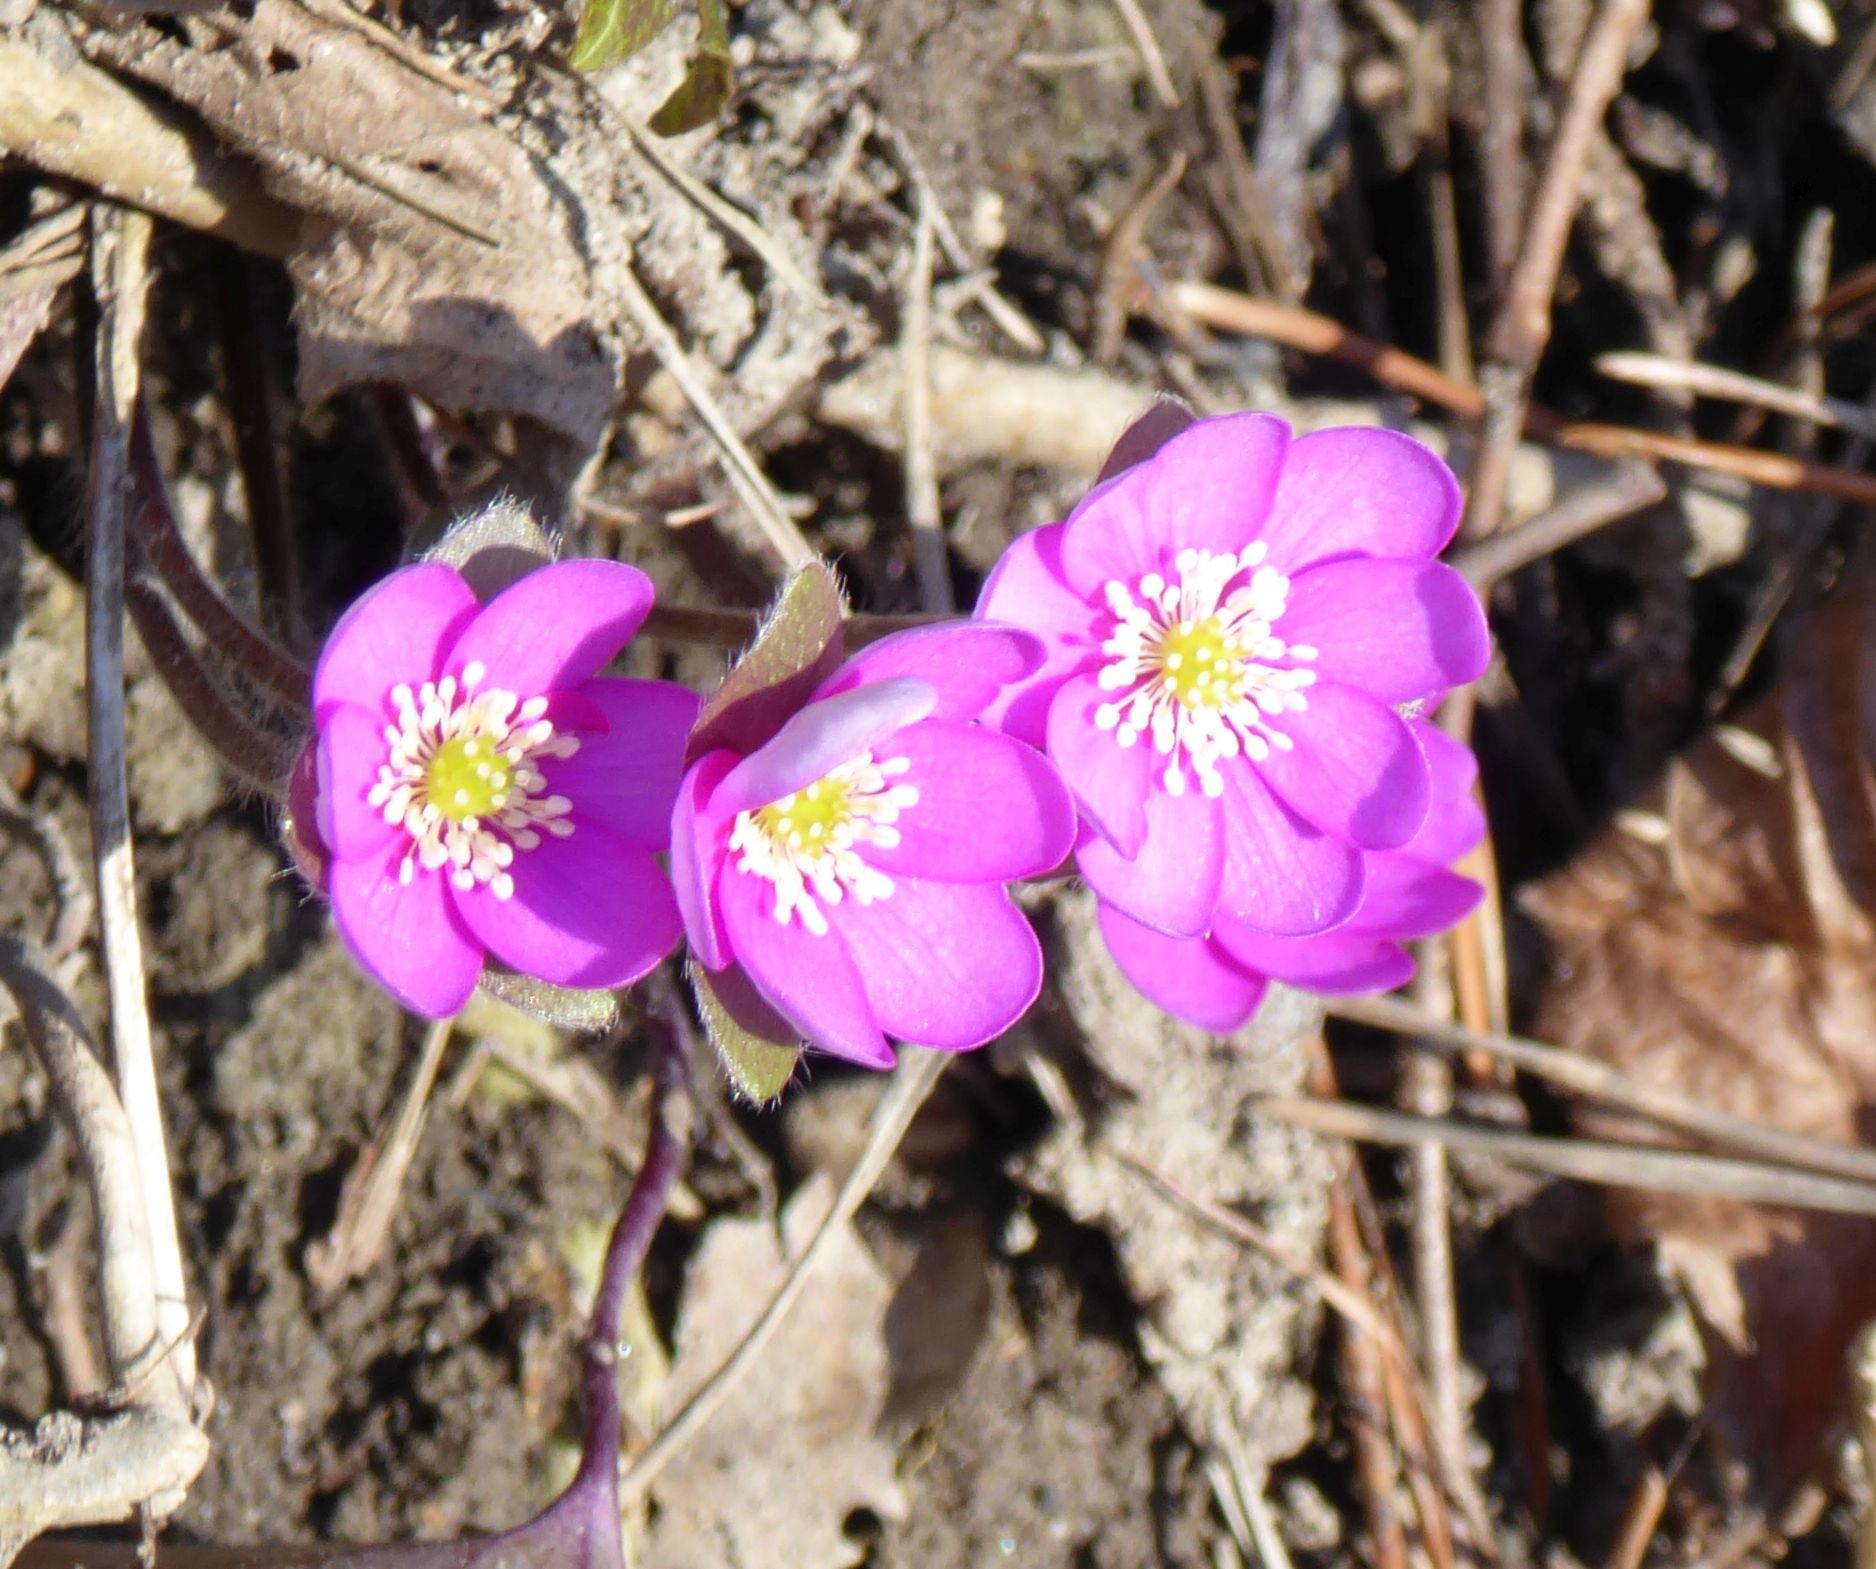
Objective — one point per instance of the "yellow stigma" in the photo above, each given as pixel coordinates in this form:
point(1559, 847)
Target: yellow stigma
point(468, 778)
point(1201, 663)
point(809, 818)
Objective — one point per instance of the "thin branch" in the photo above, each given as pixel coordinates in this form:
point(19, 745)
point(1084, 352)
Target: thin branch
point(1732, 386)
point(1585, 1076)
point(751, 484)
point(910, 1086)
point(1582, 512)
point(1140, 30)
point(120, 253)
point(922, 506)
point(1522, 327)
point(1587, 1160)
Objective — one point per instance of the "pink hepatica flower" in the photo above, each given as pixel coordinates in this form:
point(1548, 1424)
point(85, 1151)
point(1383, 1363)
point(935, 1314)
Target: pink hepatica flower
point(481, 790)
point(1216, 982)
point(1231, 624)
point(844, 879)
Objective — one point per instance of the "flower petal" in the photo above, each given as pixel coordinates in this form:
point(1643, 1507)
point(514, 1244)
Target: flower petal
point(1110, 781)
point(555, 628)
point(948, 965)
point(1172, 885)
point(1401, 630)
point(1454, 821)
point(1337, 963)
point(1355, 769)
point(1209, 488)
point(1409, 898)
point(1191, 978)
point(967, 663)
point(1026, 589)
point(811, 981)
point(406, 936)
point(588, 910)
point(1282, 876)
point(823, 735)
point(989, 808)
point(699, 846)
point(1353, 491)
point(625, 777)
point(398, 631)
point(351, 749)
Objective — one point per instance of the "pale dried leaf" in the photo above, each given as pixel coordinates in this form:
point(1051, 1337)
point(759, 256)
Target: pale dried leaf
point(795, 1448)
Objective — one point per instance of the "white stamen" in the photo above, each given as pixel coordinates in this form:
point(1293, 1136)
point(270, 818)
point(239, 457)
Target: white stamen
point(1228, 700)
point(499, 737)
point(819, 862)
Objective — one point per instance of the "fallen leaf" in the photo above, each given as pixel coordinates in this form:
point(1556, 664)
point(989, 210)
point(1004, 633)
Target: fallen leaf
point(1733, 963)
point(795, 1448)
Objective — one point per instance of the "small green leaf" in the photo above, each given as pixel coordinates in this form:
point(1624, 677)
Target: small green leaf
point(699, 98)
point(758, 1067)
point(590, 1011)
point(615, 30)
point(797, 648)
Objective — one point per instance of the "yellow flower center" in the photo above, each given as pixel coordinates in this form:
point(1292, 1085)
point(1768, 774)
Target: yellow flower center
point(1202, 664)
point(468, 778)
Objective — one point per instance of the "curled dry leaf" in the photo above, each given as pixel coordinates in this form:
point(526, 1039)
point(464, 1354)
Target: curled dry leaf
point(795, 1448)
point(1732, 962)
point(432, 251)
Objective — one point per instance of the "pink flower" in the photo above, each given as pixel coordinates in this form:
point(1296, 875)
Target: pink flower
point(842, 877)
point(1230, 624)
point(482, 791)
point(1216, 982)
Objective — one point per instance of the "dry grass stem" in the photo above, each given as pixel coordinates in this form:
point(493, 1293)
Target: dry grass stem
point(1152, 61)
point(120, 277)
point(922, 505)
point(370, 1194)
point(1589, 1160)
point(908, 1090)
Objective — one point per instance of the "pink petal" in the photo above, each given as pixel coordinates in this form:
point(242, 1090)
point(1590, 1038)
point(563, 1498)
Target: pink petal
point(949, 965)
point(399, 631)
point(1355, 769)
point(1026, 589)
point(588, 910)
point(1209, 488)
point(1173, 883)
point(553, 629)
point(351, 748)
point(1282, 875)
point(1191, 978)
point(1454, 821)
point(1408, 898)
point(967, 663)
point(1337, 963)
point(699, 844)
point(1110, 781)
point(625, 777)
point(811, 981)
point(407, 937)
point(827, 733)
point(1401, 630)
point(1361, 492)
point(989, 808)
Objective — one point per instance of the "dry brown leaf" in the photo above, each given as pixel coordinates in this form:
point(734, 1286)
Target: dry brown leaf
point(795, 1448)
point(1734, 964)
point(434, 252)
